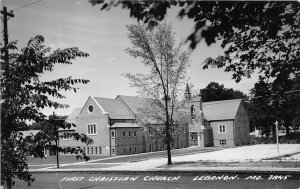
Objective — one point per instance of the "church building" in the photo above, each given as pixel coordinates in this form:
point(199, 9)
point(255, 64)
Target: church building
point(222, 123)
point(112, 124)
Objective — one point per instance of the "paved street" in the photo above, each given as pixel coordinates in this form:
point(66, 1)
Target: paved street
point(156, 180)
point(145, 171)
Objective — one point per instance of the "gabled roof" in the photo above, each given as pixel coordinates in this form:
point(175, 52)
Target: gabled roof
point(221, 110)
point(71, 118)
point(125, 125)
point(133, 103)
point(114, 108)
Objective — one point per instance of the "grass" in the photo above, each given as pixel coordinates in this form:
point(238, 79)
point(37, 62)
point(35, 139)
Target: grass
point(283, 164)
point(63, 159)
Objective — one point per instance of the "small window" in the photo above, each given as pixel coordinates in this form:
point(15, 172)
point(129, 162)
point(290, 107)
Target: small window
point(88, 150)
point(112, 134)
point(193, 112)
point(100, 150)
point(92, 150)
point(135, 150)
point(150, 131)
point(124, 150)
point(96, 150)
point(134, 133)
point(222, 129)
point(91, 109)
point(66, 136)
point(124, 133)
point(130, 150)
point(91, 130)
point(222, 142)
point(113, 151)
point(129, 133)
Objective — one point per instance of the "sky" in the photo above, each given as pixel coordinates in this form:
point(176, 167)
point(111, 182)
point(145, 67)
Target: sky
point(103, 34)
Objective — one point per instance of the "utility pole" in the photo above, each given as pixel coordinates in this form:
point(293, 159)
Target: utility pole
point(6, 58)
point(5, 32)
point(276, 124)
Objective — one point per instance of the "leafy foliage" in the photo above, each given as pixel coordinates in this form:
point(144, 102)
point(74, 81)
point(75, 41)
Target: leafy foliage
point(167, 65)
point(266, 107)
point(214, 92)
point(258, 37)
point(255, 35)
point(24, 95)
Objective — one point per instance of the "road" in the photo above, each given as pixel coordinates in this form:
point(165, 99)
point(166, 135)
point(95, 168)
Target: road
point(147, 180)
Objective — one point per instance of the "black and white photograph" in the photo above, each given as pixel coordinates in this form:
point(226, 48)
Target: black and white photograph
point(149, 94)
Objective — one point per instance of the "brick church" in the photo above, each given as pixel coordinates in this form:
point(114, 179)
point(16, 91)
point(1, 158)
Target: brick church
point(112, 124)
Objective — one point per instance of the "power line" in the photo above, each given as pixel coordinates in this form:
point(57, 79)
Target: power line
point(287, 92)
point(26, 5)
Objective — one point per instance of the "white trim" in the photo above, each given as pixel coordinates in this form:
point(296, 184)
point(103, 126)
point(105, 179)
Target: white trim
point(224, 129)
point(87, 128)
point(112, 137)
point(88, 110)
point(103, 111)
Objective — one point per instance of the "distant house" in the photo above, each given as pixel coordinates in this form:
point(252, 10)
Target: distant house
point(113, 126)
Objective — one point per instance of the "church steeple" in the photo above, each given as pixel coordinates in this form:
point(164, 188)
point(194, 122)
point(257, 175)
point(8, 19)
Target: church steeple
point(187, 93)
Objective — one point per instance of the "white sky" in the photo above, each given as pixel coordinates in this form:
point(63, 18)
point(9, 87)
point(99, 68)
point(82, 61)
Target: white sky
point(76, 23)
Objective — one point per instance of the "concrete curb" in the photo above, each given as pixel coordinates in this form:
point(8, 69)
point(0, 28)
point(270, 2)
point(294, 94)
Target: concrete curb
point(177, 170)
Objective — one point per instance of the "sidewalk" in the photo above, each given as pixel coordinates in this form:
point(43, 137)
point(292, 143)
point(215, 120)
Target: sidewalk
point(255, 153)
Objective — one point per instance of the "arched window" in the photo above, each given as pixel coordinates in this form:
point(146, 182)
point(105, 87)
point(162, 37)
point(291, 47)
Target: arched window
point(192, 111)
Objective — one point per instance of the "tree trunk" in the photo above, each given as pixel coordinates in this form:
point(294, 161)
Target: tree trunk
point(168, 132)
point(8, 185)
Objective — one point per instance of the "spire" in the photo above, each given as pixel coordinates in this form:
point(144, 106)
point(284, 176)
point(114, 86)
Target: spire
point(187, 93)
point(187, 89)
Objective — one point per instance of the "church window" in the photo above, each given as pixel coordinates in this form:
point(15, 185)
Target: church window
point(91, 109)
point(112, 134)
point(222, 142)
point(222, 129)
point(193, 112)
point(91, 129)
point(66, 136)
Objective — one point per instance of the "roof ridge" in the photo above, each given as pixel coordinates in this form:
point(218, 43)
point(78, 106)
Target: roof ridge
point(223, 101)
point(104, 98)
point(128, 95)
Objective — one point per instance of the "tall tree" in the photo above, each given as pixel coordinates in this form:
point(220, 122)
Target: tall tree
point(24, 95)
point(267, 106)
point(167, 64)
point(214, 91)
point(257, 37)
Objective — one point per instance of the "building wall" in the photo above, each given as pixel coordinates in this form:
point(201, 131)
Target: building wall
point(207, 134)
point(101, 145)
point(228, 136)
point(242, 130)
point(128, 141)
